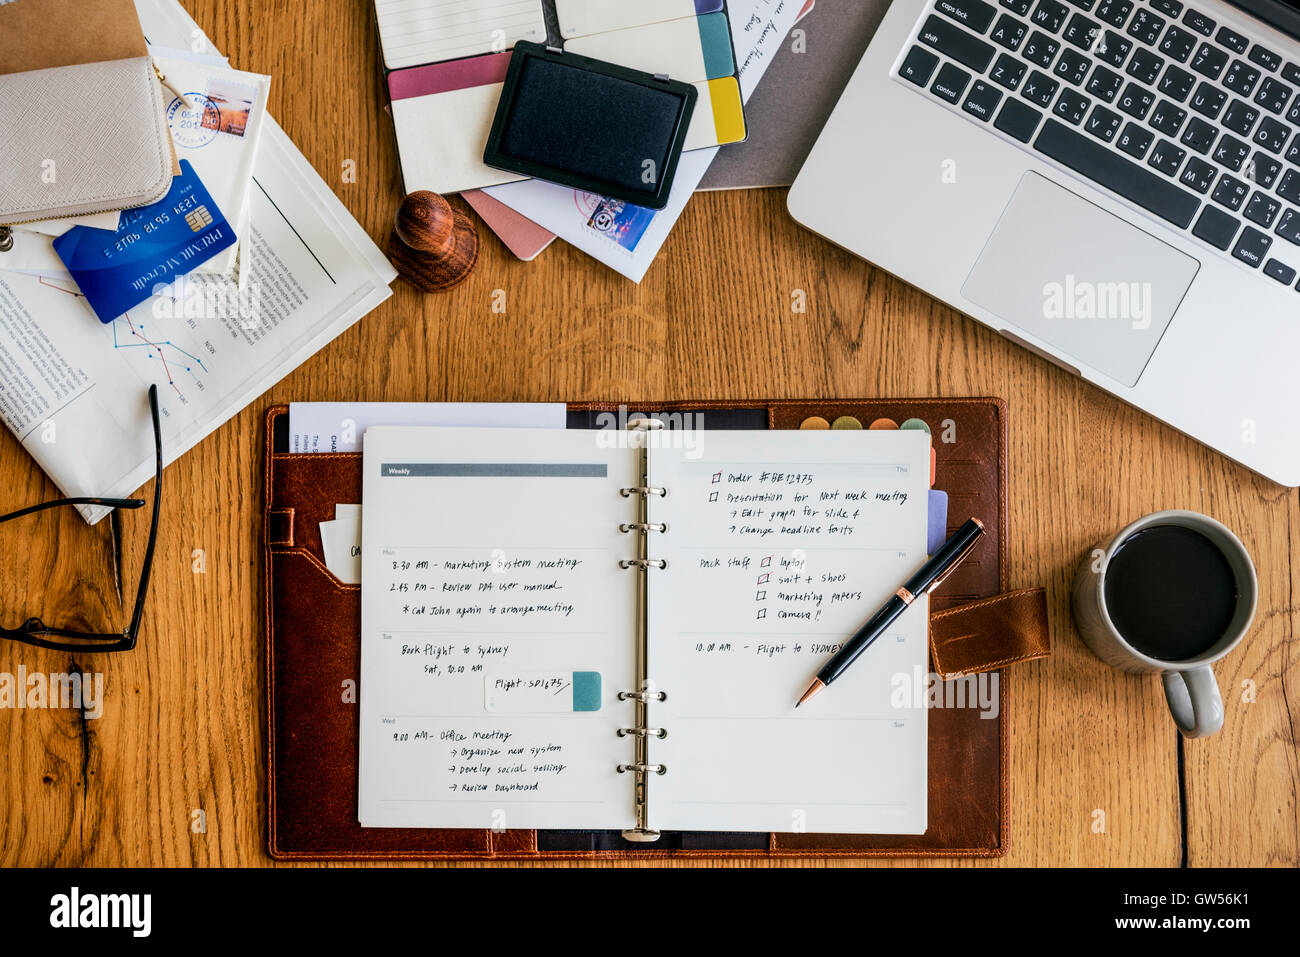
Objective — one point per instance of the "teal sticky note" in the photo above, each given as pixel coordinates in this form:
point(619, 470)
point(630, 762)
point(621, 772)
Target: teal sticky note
point(715, 44)
point(586, 691)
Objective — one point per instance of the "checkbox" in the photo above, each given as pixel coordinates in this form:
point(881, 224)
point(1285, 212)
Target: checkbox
point(760, 596)
point(762, 613)
point(717, 477)
point(764, 578)
point(713, 496)
point(766, 563)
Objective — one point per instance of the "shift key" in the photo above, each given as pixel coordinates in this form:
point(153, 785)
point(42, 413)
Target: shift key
point(954, 42)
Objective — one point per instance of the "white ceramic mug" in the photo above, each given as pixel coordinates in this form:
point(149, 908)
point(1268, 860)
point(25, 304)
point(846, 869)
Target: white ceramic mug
point(1190, 686)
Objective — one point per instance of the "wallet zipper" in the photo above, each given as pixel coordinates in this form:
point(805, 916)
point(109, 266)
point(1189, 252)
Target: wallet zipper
point(6, 236)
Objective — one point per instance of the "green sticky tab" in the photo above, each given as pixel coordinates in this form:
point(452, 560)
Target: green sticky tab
point(715, 44)
point(586, 691)
point(917, 424)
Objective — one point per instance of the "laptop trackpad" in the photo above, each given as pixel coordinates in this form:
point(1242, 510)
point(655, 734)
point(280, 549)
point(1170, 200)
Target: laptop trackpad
point(1066, 271)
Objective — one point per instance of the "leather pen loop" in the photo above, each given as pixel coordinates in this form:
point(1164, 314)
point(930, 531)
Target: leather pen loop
point(956, 562)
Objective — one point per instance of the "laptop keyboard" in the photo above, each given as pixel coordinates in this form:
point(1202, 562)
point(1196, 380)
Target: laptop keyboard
point(1151, 100)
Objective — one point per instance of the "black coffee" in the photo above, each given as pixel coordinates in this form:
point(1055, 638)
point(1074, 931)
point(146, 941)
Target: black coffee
point(1170, 592)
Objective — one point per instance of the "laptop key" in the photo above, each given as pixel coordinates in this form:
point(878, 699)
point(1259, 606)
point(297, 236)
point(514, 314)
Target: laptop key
point(1263, 170)
point(1091, 160)
point(1166, 157)
point(975, 14)
point(1168, 7)
point(1231, 152)
point(1113, 48)
point(1084, 5)
point(1291, 73)
point(1210, 61)
point(1293, 154)
point(982, 100)
point(1289, 187)
point(1231, 192)
point(1082, 32)
point(957, 44)
point(1199, 22)
point(1198, 174)
point(1200, 135)
point(1240, 118)
point(1208, 100)
point(1137, 101)
point(1293, 114)
point(1072, 106)
point(1216, 228)
point(1265, 58)
point(1273, 95)
point(1135, 140)
point(1252, 247)
point(1018, 120)
point(1233, 40)
point(951, 82)
point(1145, 66)
point(1279, 271)
point(1008, 72)
point(918, 66)
point(1289, 227)
point(1178, 43)
point(1272, 134)
point(1040, 49)
point(1167, 118)
point(1240, 78)
point(1146, 26)
point(1176, 83)
point(1105, 84)
point(1104, 123)
point(1022, 7)
point(1262, 209)
point(1039, 88)
point(1009, 32)
point(1114, 12)
point(1050, 15)
point(1073, 66)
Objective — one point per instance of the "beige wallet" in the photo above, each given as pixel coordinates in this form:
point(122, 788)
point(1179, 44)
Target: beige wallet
point(82, 110)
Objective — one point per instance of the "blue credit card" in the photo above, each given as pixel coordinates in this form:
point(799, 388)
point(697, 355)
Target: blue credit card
point(117, 271)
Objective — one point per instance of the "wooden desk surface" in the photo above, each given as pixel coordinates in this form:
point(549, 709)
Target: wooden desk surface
point(1099, 777)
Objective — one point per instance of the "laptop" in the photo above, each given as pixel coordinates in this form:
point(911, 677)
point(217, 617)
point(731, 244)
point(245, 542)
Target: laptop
point(1113, 184)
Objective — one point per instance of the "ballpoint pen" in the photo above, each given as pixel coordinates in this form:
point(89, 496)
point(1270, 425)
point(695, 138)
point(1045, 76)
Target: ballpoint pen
point(929, 577)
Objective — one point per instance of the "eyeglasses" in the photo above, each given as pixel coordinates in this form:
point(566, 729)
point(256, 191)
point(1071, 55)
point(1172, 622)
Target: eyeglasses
point(35, 632)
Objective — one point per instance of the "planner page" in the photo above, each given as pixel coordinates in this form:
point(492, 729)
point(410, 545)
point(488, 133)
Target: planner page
point(497, 629)
point(412, 32)
point(780, 545)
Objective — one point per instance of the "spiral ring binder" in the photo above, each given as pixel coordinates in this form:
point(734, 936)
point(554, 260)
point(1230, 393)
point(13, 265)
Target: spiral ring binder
point(641, 729)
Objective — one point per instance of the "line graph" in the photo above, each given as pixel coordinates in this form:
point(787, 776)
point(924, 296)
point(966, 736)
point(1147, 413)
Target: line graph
point(180, 360)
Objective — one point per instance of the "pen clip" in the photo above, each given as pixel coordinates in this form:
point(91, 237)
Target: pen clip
point(956, 562)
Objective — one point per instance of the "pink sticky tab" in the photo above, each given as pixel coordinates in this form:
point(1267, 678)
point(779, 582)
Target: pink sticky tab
point(445, 77)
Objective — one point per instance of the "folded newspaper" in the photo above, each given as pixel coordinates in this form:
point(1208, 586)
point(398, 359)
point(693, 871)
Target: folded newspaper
point(74, 390)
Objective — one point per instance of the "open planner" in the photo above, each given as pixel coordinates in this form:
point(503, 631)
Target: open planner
point(569, 629)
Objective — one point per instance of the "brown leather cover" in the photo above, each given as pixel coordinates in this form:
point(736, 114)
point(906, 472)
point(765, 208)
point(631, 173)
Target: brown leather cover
point(312, 630)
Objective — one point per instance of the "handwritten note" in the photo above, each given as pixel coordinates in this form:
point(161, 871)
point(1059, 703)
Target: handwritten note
point(779, 546)
point(495, 618)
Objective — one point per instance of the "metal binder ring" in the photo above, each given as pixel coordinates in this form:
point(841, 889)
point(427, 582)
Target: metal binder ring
point(643, 490)
point(656, 768)
point(643, 696)
point(643, 563)
point(643, 732)
point(643, 526)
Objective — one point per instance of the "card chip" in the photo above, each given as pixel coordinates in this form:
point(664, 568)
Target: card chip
point(199, 219)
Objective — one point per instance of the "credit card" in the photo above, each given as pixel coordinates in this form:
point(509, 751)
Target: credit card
point(152, 245)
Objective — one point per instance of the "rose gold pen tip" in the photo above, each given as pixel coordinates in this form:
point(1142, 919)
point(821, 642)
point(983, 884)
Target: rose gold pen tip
point(813, 688)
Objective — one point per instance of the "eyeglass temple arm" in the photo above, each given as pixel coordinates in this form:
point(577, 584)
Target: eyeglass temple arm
point(147, 566)
point(80, 500)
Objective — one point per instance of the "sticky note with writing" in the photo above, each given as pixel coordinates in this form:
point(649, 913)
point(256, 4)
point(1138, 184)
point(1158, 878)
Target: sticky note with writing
point(534, 692)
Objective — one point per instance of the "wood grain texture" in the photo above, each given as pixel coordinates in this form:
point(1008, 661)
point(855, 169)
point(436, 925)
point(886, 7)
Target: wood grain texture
point(181, 729)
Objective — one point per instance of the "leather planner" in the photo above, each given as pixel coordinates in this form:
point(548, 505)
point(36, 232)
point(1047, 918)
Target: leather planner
point(312, 624)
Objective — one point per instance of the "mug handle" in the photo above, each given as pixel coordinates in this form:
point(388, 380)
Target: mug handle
point(1194, 702)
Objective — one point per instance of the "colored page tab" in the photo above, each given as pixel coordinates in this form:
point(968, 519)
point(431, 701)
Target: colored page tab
point(580, 18)
point(719, 117)
point(542, 692)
